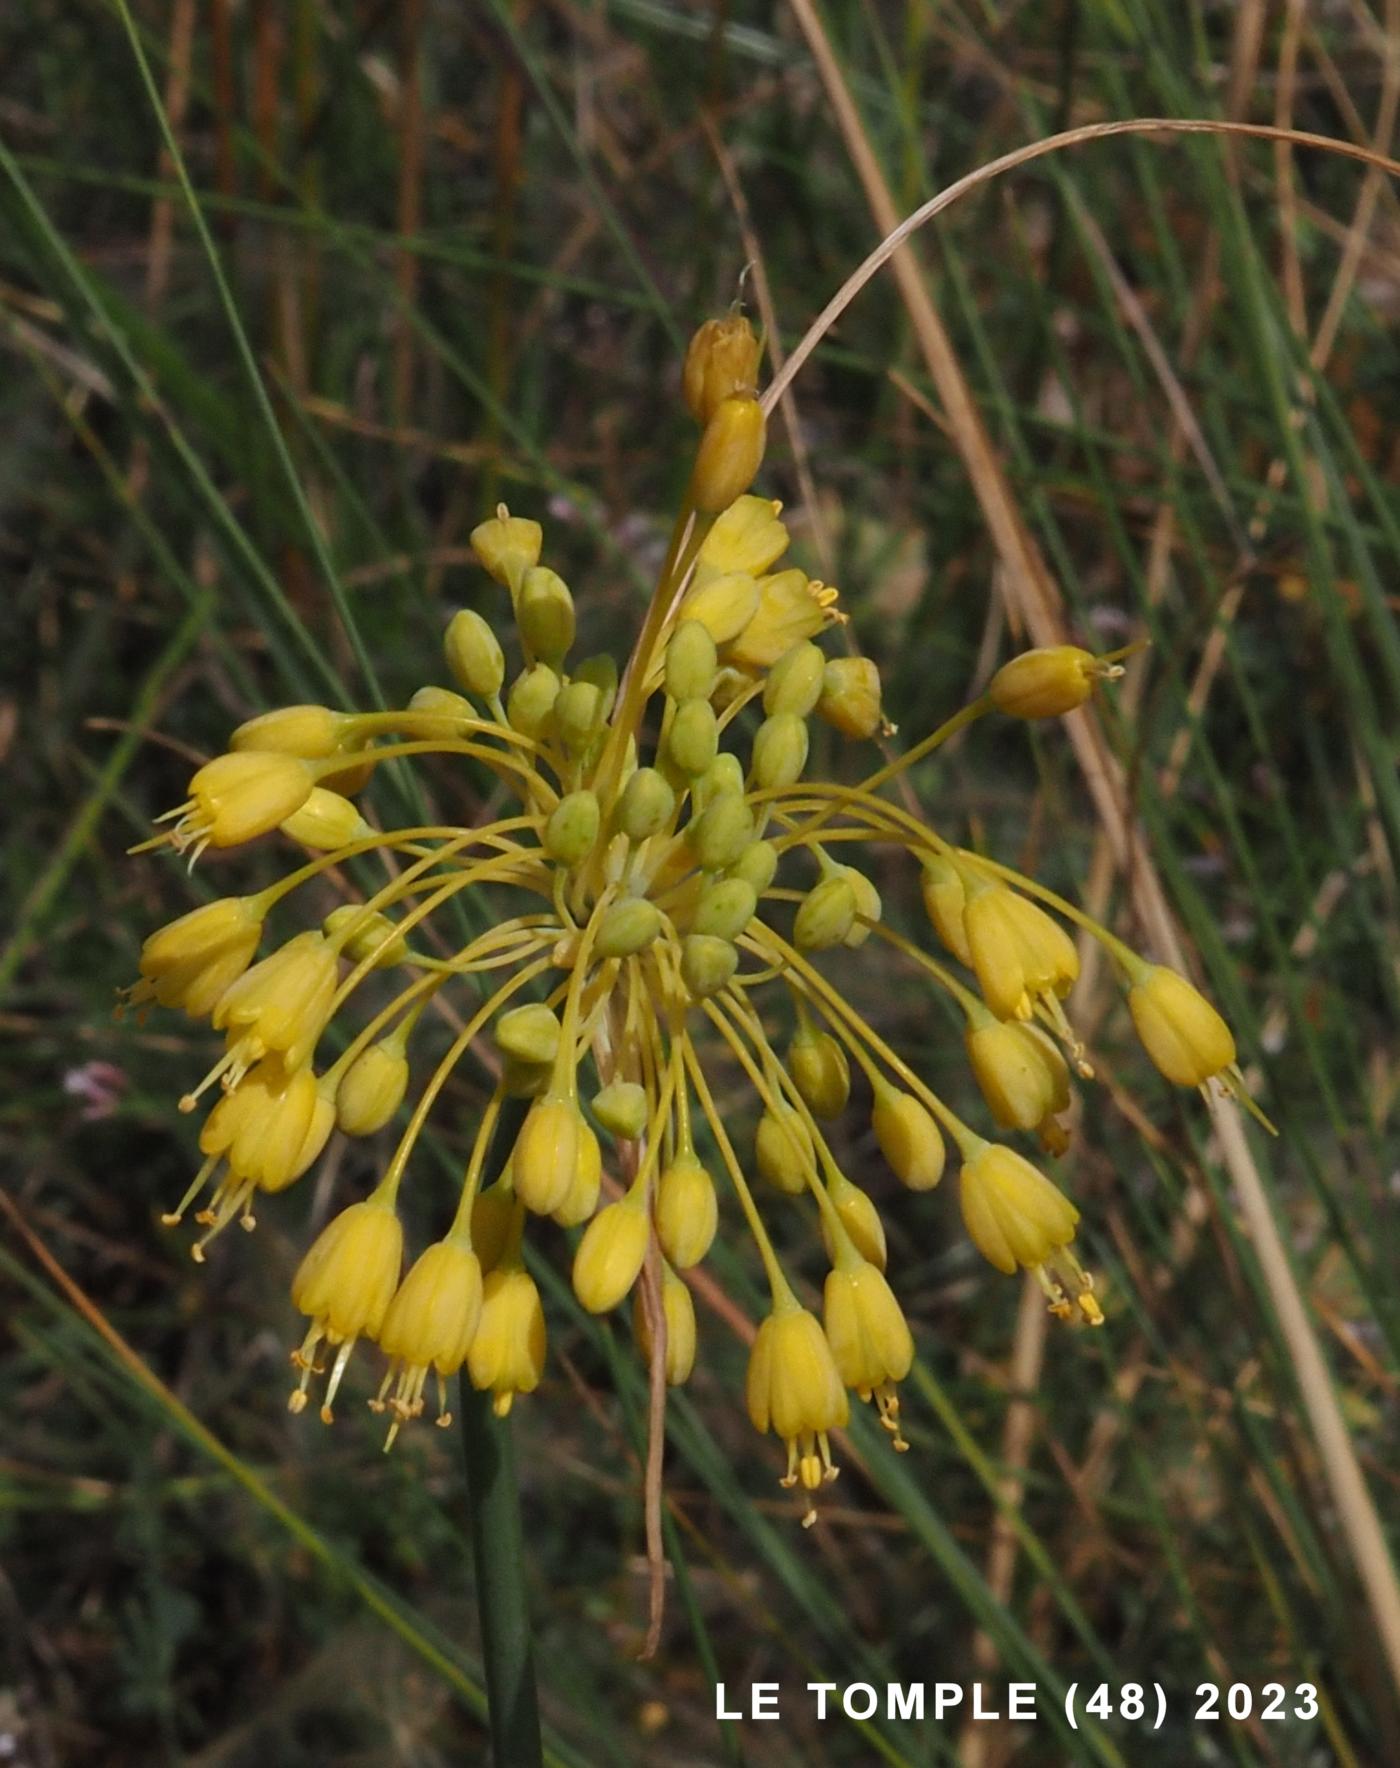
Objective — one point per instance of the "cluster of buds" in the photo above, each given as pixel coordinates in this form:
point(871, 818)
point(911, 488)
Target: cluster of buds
point(664, 891)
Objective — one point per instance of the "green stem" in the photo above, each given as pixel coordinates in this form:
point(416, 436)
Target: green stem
point(499, 1552)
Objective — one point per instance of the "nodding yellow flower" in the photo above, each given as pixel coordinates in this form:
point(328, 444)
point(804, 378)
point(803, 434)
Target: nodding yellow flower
point(430, 1324)
point(1183, 1034)
point(239, 796)
point(279, 1005)
point(1023, 959)
point(869, 1336)
point(655, 896)
point(794, 1389)
point(192, 961)
point(1048, 682)
point(680, 1326)
point(1015, 1216)
point(344, 1286)
point(507, 1353)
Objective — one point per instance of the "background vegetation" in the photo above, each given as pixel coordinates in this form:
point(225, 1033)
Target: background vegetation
point(262, 374)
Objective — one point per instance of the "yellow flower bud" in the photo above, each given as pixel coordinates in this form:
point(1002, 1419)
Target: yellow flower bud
point(1015, 1216)
point(544, 610)
point(860, 1219)
point(362, 935)
point(372, 1088)
point(344, 1286)
point(1183, 1034)
point(909, 1138)
point(474, 655)
point(944, 900)
point(326, 821)
point(437, 712)
point(577, 715)
point(679, 1310)
point(508, 546)
point(627, 927)
point(746, 537)
point(693, 739)
point(1023, 1077)
point(192, 961)
point(546, 1153)
point(707, 963)
point(507, 1352)
point(850, 696)
point(280, 1004)
point(868, 906)
point(721, 360)
point(430, 1325)
point(610, 1254)
point(240, 796)
point(779, 751)
point(794, 682)
point(1020, 954)
point(783, 1150)
point(725, 908)
point(869, 1336)
point(819, 1071)
point(572, 828)
point(646, 806)
point(721, 832)
point(826, 914)
point(531, 700)
point(621, 1108)
point(722, 606)
point(756, 865)
point(730, 453)
point(581, 1198)
point(691, 661)
point(1047, 682)
point(312, 732)
point(530, 1033)
point(791, 607)
point(687, 1211)
point(493, 1217)
point(793, 1387)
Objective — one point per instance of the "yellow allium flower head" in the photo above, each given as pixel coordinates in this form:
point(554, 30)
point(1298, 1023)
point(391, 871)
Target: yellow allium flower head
point(507, 1353)
point(869, 1336)
point(795, 1390)
point(430, 1324)
point(655, 909)
point(1015, 1216)
point(344, 1286)
point(191, 962)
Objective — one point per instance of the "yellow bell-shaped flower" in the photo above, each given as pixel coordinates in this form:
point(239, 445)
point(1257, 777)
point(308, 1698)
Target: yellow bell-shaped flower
point(794, 1389)
point(344, 1286)
point(507, 1354)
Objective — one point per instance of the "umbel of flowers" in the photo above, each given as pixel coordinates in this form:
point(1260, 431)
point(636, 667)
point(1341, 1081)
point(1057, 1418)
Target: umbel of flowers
point(661, 894)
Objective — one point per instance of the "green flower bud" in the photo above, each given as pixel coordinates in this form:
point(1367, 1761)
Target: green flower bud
point(724, 774)
point(474, 655)
point(794, 682)
point(531, 700)
point(601, 672)
point(627, 927)
point(756, 865)
point(722, 832)
point(375, 936)
point(819, 1071)
point(783, 1150)
point(530, 1033)
point(850, 697)
point(725, 908)
point(779, 750)
point(621, 1108)
point(572, 828)
point(646, 806)
point(544, 611)
point(867, 903)
point(687, 1211)
point(577, 714)
point(693, 739)
point(690, 662)
point(826, 914)
point(707, 963)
